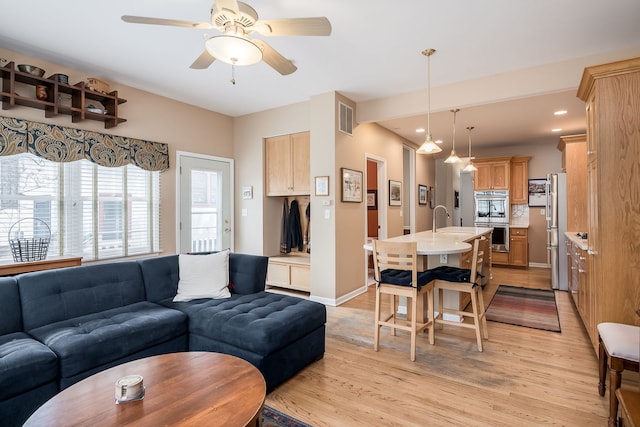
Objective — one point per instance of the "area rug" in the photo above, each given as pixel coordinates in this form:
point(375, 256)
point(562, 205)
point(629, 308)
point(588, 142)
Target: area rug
point(532, 308)
point(273, 418)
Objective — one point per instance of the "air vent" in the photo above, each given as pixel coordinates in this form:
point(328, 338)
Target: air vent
point(345, 119)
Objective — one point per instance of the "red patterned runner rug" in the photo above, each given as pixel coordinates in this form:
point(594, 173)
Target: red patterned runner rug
point(532, 308)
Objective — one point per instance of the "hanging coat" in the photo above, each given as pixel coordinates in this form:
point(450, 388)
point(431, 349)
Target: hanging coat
point(284, 232)
point(295, 228)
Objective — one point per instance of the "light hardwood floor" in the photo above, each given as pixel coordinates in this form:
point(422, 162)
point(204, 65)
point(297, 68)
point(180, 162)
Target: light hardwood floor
point(524, 377)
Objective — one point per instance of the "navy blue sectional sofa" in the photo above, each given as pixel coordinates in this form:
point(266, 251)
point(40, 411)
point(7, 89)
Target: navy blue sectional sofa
point(60, 326)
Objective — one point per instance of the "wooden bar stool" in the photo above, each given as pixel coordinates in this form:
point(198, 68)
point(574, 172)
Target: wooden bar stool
point(619, 348)
point(464, 280)
point(396, 273)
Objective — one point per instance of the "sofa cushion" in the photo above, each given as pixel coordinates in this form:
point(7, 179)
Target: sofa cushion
point(10, 313)
point(262, 322)
point(247, 274)
point(56, 295)
point(24, 364)
point(203, 276)
point(95, 339)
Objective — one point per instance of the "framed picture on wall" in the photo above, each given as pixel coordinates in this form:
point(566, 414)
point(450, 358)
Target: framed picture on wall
point(322, 185)
point(537, 195)
point(395, 193)
point(372, 199)
point(422, 194)
point(351, 185)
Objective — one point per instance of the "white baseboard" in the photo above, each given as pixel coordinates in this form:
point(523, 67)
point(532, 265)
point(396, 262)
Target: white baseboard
point(336, 302)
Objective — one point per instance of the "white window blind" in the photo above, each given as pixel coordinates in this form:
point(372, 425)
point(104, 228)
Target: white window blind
point(93, 211)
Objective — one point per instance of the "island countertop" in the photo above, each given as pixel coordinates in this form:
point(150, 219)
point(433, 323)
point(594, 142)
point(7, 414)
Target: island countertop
point(446, 240)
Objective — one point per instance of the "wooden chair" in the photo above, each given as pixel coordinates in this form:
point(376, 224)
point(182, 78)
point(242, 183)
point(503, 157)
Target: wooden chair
point(396, 274)
point(463, 280)
point(619, 348)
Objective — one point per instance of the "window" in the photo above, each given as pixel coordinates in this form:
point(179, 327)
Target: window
point(92, 211)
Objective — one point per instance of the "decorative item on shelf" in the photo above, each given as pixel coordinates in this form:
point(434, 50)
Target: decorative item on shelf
point(42, 92)
point(97, 85)
point(61, 78)
point(470, 167)
point(453, 157)
point(428, 146)
point(93, 109)
point(31, 69)
point(29, 240)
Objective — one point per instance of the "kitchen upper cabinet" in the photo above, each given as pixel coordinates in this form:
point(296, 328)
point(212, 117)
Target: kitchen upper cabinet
point(287, 165)
point(492, 174)
point(574, 163)
point(519, 188)
point(612, 96)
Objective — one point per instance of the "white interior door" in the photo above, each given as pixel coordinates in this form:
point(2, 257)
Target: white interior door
point(205, 208)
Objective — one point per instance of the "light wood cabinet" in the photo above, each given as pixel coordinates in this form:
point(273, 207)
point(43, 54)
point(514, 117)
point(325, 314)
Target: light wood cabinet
point(518, 247)
point(290, 272)
point(492, 174)
point(578, 275)
point(574, 163)
point(519, 186)
point(287, 165)
point(612, 96)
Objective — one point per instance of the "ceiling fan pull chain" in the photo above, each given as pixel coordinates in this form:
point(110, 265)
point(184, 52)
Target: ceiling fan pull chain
point(233, 73)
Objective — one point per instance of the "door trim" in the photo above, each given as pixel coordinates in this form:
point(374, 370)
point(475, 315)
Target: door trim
point(179, 156)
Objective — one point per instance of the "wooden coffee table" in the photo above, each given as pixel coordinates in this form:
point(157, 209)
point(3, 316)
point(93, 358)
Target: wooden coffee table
point(185, 389)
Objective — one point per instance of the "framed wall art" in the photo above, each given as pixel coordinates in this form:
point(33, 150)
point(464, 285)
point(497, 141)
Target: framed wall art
point(372, 199)
point(322, 185)
point(422, 194)
point(395, 193)
point(537, 195)
point(351, 185)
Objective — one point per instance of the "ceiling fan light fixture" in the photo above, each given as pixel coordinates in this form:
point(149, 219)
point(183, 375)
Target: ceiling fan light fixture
point(234, 49)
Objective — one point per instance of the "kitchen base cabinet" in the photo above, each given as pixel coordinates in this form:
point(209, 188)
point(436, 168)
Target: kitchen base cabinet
point(518, 247)
point(500, 258)
point(290, 272)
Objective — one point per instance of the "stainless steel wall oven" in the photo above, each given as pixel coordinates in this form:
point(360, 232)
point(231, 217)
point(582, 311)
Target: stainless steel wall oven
point(492, 210)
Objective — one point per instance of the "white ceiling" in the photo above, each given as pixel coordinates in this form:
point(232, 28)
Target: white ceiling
point(373, 52)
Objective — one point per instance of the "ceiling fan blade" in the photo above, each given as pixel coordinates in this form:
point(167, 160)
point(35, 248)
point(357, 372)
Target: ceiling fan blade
point(275, 60)
point(204, 61)
point(294, 27)
point(231, 5)
point(160, 21)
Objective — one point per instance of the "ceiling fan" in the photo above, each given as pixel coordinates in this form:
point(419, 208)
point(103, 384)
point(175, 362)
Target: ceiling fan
point(237, 21)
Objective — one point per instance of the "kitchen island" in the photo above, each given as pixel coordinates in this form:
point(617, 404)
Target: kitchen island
point(448, 246)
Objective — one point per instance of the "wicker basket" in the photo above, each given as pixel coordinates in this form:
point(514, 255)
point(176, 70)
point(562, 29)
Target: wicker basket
point(27, 246)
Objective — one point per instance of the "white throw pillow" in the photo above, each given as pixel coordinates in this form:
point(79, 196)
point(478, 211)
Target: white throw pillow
point(203, 276)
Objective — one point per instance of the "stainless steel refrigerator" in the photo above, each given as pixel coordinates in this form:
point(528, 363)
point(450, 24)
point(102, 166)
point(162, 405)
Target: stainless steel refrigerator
point(556, 213)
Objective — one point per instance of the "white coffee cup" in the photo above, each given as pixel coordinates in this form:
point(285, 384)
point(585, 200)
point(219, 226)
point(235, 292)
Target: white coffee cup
point(129, 387)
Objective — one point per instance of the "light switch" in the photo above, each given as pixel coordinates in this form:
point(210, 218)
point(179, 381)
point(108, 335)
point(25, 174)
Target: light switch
point(443, 258)
point(327, 213)
point(244, 212)
point(541, 211)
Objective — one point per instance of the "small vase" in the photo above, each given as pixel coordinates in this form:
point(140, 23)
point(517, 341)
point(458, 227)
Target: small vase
point(41, 92)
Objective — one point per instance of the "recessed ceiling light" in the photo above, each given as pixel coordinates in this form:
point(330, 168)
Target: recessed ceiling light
point(420, 130)
point(560, 112)
point(556, 130)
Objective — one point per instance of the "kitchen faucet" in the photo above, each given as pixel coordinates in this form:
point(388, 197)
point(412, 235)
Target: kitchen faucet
point(433, 227)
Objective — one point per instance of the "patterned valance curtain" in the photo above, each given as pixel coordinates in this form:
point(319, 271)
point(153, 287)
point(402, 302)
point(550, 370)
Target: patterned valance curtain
point(64, 144)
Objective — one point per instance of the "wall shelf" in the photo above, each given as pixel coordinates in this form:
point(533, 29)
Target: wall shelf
point(81, 97)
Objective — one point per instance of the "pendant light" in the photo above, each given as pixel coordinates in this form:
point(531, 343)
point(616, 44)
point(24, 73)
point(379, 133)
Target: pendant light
point(453, 157)
point(470, 167)
point(428, 146)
